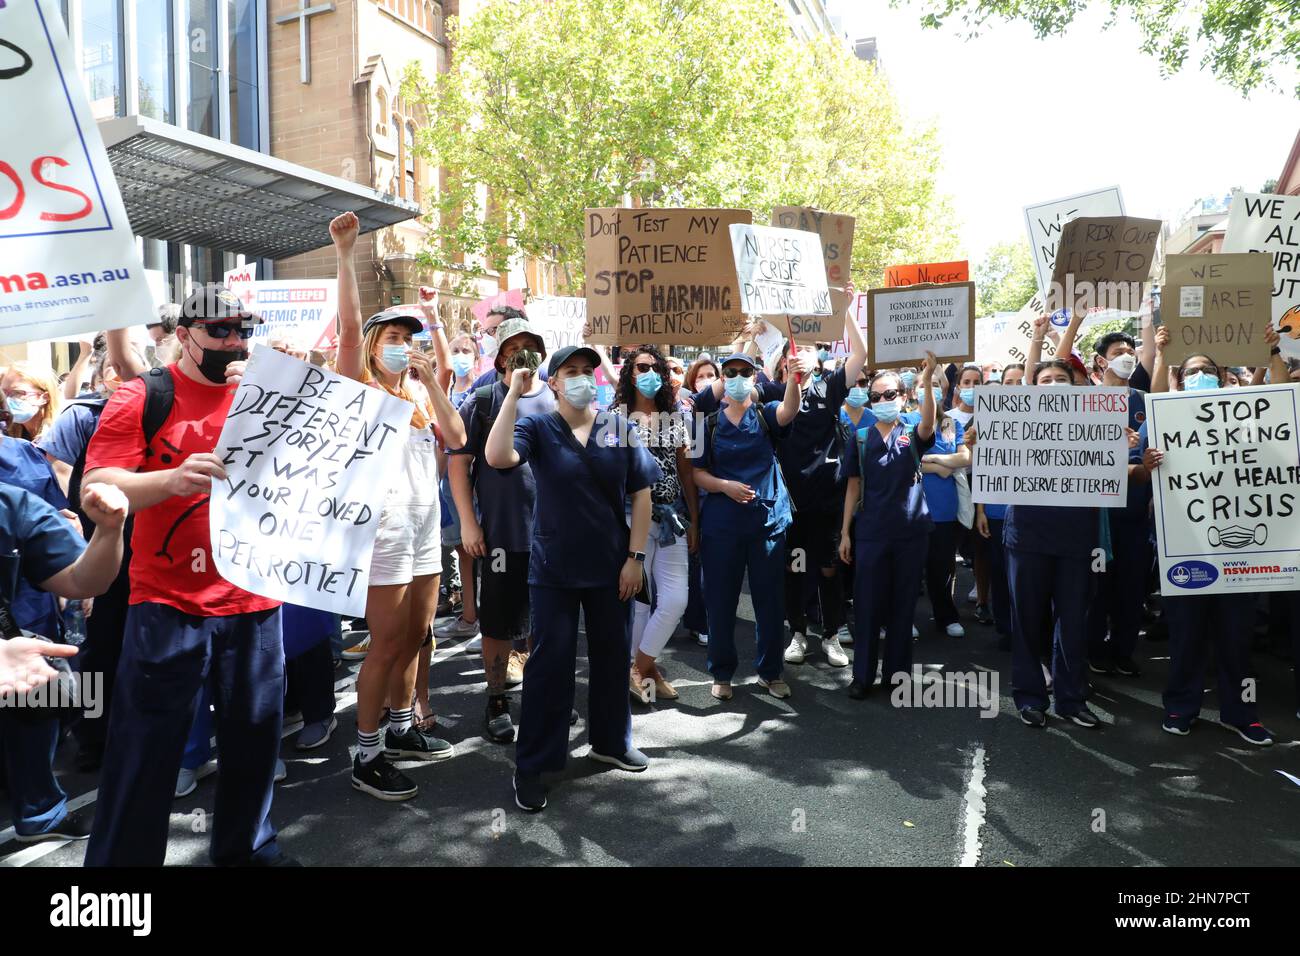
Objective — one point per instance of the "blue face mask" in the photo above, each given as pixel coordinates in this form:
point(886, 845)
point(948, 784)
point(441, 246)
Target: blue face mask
point(580, 390)
point(938, 396)
point(886, 412)
point(461, 364)
point(1200, 382)
point(858, 396)
point(968, 397)
point(21, 410)
point(396, 358)
point(823, 355)
point(995, 377)
point(737, 388)
point(649, 383)
point(909, 380)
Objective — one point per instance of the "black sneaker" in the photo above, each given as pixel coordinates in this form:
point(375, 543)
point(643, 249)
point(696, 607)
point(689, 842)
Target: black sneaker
point(1033, 717)
point(1127, 667)
point(1085, 718)
point(415, 744)
point(1255, 733)
point(634, 761)
point(500, 728)
point(983, 615)
point(381, 779)
point(1180, 724)
point(90, 759)
point(74, 826)
point(1100, 667)
point(530, 795)
point(859, 690)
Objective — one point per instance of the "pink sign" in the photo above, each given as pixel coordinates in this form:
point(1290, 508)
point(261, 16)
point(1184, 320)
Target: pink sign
point(511, 297)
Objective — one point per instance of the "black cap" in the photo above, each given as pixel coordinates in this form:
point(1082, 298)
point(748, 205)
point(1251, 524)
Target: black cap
point(214, 303)
point(563, 355)
point(389, 316)
point(739, 357)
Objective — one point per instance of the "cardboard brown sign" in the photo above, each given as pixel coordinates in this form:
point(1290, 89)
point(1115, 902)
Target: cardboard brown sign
point(903, 323)
point(836, 232)
point(1218, 304)
point(1096, 249)
point(662, 275)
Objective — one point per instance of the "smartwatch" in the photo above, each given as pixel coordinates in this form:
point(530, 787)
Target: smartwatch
point(637, 556)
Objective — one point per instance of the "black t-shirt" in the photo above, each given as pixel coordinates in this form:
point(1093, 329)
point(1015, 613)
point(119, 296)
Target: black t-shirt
point(810, 454)
point(1140, 379)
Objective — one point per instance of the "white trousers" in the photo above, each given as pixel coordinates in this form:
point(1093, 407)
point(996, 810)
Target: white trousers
point(669, 568)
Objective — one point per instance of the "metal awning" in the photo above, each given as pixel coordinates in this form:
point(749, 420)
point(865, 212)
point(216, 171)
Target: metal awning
point(186, 187)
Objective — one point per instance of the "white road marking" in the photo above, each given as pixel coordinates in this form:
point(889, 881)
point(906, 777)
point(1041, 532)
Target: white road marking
point(974, 810)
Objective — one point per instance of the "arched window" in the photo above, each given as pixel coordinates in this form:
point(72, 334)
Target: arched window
point(381, 111)
point(397, 172)
point(408, 163)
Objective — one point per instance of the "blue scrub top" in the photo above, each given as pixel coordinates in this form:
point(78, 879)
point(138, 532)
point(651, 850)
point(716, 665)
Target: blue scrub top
point(893, 503)
point(578, 542)
point(1043, 529)
point(940, 492)
point(745, 454)
point(23, 465)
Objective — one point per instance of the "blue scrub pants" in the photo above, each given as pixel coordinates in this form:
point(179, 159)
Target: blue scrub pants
point(1195, 623)
point(28, 742)
point(166, 658)
point(1040, 585)
point(999, 591)
point(550, 676)
point(1121, 593)
point(694, 618)
point(886, 586)
point(724, 559)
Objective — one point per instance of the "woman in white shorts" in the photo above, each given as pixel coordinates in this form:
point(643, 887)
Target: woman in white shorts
point(407, 557)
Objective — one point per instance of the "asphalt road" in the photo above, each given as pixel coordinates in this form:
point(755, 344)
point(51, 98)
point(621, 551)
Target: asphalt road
point(816, 779)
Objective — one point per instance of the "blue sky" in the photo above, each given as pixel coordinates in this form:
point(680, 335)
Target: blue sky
point(1023, 120)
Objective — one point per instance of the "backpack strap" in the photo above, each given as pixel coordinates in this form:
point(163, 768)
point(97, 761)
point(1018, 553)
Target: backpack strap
point(487, 405)
point(159, 396)
point(96, 406)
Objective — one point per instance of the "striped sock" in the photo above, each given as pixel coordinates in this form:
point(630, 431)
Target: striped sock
point(368, 746)
point(400, 721)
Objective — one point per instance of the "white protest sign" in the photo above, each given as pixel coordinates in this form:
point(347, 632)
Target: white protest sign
point(1263, 222)
point(1064, 446)
point(907, 322)
point(770, 342)
point(781, 272)
point(309, 456)
point(559, 319)
point(68, 260)
point(301, 311)
point(1227, 494)
point(1044, 220)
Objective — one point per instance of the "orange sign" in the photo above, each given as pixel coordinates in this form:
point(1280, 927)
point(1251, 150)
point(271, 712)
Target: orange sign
point(935, 272)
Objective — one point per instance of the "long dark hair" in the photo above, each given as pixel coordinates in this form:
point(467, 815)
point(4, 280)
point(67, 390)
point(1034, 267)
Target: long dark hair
point(627, 390)
point(1061, 364)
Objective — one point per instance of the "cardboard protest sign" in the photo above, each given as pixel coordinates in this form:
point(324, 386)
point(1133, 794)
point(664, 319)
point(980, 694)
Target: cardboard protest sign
point(781, 273)
point(1219, 304)
point(1228, 491)
point(68, 260)
point(1103, 249)
point(1065, 447)
point(300, 311)
point(309, 456)
point(836, 232)
point(937, 273)
point(1263, 222)
point(662, 275)
point(902, 324)
point(1044, 220)
point(559, 319)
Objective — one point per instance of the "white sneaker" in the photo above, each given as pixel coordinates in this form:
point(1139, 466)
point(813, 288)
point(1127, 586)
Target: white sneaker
point(834, 653)
point(974, 596)
point(845, 635)
point(798, 649)
point(702, 639)
point(955, 630)
point(1047, 676)
point(188, 780)
point(457, 628)
point(916, 635)
point(281, 771)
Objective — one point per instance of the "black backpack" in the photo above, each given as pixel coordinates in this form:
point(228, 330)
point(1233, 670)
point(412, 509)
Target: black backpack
point(487, 404)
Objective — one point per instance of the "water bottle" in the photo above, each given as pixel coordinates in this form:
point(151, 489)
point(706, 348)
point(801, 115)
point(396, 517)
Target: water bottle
point(74, 624)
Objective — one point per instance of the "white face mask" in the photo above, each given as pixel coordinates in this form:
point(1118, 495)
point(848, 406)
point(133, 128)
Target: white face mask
point(1123, 366)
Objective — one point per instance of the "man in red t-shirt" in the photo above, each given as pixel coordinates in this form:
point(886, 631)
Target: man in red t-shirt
point(186, 624)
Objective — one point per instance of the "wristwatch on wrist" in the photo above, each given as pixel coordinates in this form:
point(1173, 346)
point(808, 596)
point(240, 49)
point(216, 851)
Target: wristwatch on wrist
point(637, 556)
point(1276, 351)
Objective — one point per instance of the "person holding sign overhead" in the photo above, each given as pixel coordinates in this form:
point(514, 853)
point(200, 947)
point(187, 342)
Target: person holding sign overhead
point(584, 558)
point(407, 557)
point(888, 541)
point(744, 521)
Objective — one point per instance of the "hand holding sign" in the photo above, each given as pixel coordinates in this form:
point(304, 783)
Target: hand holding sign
point(194, 475)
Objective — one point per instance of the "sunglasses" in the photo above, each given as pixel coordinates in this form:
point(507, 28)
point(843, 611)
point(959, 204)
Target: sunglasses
point(223, 332)
point(643, 367)
point(742, 372)
point(888, 396)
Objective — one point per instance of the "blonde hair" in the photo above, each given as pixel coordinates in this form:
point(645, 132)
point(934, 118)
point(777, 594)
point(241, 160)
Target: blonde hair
point(370, 376)
point(46, 380)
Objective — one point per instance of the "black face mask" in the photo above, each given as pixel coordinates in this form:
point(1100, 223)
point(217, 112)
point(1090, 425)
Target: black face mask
point(214, 362)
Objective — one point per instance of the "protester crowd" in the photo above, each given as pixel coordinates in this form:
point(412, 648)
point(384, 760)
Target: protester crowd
point(522, 511)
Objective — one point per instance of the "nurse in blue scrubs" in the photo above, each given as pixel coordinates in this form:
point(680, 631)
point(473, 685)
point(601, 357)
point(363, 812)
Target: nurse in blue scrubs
point(743, 521)
point(586, 466)
point(1049, 553)
point(886, 526)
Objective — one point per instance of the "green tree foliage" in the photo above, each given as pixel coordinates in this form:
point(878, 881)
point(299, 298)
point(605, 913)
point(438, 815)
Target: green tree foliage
point(554, 107)
point(1246, 43)
point(1006, 279)
point(1089, 337)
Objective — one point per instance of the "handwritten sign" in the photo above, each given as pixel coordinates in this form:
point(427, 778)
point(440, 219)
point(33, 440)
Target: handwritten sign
point(559, 319)
point(836, 232)
point(1005, 338)
point(781, 273)
point(1044, 220)
point(904, 323)
point(662, 275)
point(68, 260)
point(1262, 222)
point(309, 456)
point(1218, 304)
point(1227, 495)
point(1064, 447)
point(1095, 252)
point(937, 273)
